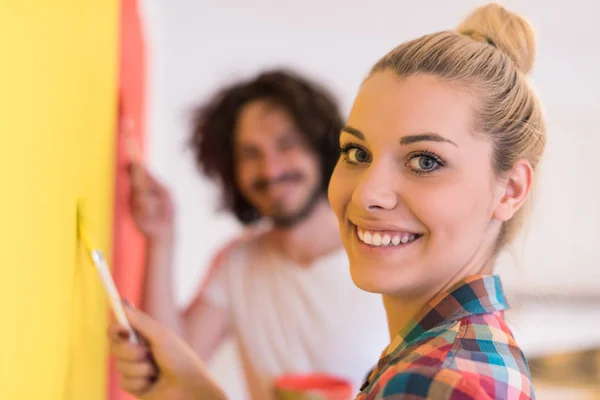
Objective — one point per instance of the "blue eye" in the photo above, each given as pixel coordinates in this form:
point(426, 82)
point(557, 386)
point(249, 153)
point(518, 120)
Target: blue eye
point(354, 154)
point(423, 163)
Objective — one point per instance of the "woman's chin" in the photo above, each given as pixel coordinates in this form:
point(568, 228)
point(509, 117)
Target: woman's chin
point(386, 281)
point(373, 280)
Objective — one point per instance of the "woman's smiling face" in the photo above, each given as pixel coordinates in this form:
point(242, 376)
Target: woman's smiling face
point(414, 190)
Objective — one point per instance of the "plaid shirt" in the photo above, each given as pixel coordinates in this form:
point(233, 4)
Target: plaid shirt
point(457, 348)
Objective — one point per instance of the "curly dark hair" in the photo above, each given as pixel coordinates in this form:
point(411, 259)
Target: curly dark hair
point(314, 110)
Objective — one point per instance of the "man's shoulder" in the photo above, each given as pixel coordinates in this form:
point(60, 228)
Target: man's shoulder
point(231, 253)
point(247, 239)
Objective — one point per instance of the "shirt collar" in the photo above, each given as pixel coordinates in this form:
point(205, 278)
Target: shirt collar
point(478, 294)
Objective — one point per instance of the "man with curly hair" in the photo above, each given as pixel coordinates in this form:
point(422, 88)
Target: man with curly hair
point(283, 288)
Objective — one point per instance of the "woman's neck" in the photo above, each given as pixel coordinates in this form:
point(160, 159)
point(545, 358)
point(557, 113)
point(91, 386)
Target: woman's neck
point(402, 308)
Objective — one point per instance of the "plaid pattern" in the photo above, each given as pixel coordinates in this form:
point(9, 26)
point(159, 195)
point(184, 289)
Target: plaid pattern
point(458, 347)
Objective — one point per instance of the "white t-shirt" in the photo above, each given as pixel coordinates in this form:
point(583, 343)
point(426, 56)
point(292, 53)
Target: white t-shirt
point(289, 318)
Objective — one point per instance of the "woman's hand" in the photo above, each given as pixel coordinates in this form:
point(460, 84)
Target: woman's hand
point(164, 367)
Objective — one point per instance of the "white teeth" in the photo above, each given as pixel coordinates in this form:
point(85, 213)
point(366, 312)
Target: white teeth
point(367, 238)
point(386, 239)
point(377, 239)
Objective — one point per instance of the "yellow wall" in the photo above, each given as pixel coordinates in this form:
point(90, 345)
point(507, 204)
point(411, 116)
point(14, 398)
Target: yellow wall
point(58, 74)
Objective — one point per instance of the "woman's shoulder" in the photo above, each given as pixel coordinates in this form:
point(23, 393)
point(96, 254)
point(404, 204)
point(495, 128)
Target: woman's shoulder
point(433, 383)
point(473, 358)
point(424, 382)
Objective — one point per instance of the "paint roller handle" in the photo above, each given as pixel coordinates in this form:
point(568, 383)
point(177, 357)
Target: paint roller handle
point(163, 366)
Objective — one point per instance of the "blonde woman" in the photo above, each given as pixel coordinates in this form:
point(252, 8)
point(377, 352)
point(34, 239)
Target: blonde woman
point(438, 161)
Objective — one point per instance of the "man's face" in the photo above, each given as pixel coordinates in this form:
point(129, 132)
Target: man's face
point(276, 170)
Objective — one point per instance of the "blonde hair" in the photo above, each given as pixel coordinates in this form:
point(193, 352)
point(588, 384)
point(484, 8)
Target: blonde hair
point(489, 54)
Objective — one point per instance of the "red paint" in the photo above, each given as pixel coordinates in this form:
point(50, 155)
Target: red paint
point(128, 244)
point(326, 386)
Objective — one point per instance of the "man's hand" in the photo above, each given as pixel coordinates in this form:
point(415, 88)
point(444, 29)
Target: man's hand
point(151, 205)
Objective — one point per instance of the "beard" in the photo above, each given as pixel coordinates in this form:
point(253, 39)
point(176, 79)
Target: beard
point(289, 220)
point(277, 213)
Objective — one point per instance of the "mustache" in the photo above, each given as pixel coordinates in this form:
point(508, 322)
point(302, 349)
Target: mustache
point(263, 183)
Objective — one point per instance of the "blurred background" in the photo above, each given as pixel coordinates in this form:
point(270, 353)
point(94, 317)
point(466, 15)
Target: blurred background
point(191, 48)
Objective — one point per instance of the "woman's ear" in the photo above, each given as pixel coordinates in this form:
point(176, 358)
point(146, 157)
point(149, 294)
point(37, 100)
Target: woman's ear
point(517, 186)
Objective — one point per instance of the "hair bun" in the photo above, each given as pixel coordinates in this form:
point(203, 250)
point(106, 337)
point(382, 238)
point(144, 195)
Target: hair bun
point(506, 30)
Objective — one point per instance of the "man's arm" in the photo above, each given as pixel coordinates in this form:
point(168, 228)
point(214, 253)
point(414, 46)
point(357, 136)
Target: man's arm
point(204, 325)
point(158, 293)
point(153, 212)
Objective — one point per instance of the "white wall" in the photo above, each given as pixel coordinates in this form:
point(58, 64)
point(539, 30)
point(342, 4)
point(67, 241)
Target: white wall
point(197, 45)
